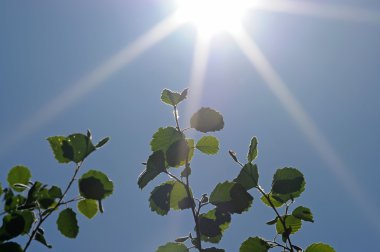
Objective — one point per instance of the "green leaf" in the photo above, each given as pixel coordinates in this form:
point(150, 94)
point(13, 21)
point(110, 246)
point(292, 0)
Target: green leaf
point(288, 183)
point(276, 203)
point(29, 219)
point(170, 194)
point(252, 153)
point(319, 247)
point(182, 239)
point(55, 192)
point(255, 244)
point(231, 197)
point(10, 247)
point(212, 225)
point(272, 222)
point(67, 223)
point(303, 213)
point(88, 208)
point(13, 226)
point(291, 222)
point(207, 120)
point(75, 147)
point(95, 185)
point(172, 247)
point(19, 175)
point(213, 249)
point(165, 137)
point(190, 144)
point(102, 142)
point(155, 165)
point(208, 145)
point(173, 98)
point(177, 152)
point(41, 238)
point(248, 176)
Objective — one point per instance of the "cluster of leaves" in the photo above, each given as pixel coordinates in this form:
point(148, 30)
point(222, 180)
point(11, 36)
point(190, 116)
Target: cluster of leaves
point(172, 149)
point(28, 203)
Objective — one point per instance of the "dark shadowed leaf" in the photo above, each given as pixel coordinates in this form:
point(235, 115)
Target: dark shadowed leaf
point(155, 165)
point(165, 137)
point(319, 247)
point(19, 175)
point(10, 247)
point(231, 197)
point(1, 190)
point(177, 152)
point(252, 153)
point(208, 145)
point(102, 142)
point(173, 98)
point(88, 207)
point(288, 183)
point(172, 247)
point(13, 226)
point(213, 249)
point(248, 176)
point(254, 244)
point(272, 222)
point(182, 239)
point(95, 185)
point(303, 213)
point(291, 222)
point(212, 225)
point(190, 144)
point(67, 223)
point(29, 219)
point(41, 238)
point(207, 120)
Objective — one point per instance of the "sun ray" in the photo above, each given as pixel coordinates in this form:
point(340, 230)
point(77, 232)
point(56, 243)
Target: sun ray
point(339, 12)
point(90, 81)
point(198, 70)
point(306, 124)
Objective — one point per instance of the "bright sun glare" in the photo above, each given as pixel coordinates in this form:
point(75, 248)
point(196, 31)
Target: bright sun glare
point(213, 16)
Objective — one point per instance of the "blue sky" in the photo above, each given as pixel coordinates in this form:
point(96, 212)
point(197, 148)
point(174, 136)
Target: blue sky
point(329, 66)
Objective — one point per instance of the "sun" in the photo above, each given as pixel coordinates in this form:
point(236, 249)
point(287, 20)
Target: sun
point(214, 16)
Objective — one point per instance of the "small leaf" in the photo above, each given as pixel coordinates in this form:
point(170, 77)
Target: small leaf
point(177, 152)
point(164, 137)
point(173, 98)
point(213, 249)
point(41, 238)
point(88, 208)
point(248, 176)
point(288, 183)
point(212, 225)
point(155, 165)
point(207, 120)
point(252, 153)
point(272, 222)
point(255, 244)
point(303, 213)
point(95, 185)
point(102, 142)
point(291, 222)
point(182, 239)
point(10, 247)
point(19, 175)
point(319, 247)
point(208, 145)
point(67, 223)
point(172, 247)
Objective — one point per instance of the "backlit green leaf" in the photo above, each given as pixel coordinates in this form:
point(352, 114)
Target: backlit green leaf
point(165, 137)
point(276, 203)
point(56, 143)
point(303, 213)
point(288, 183)
point(319, 247)
point(231, 197)
point(173, 98)
point(177, 152)
point(252, 153)
point(172, 247)
point(88, 207)
point(207, 120)
point(67, 223)
point(95, 185)
point(248, 176)
point(18, 175)
point(155, 165)
point(291, 222)
point(208, 145)
point(255, 244)
point(212, 225)
point(190, 144)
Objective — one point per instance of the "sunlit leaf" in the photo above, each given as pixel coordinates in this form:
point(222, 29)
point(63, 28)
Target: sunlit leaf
point(248, 176)
point(155, 165)
point(252, 153)
point(291, 222)
point(231, 197)
point(207, 120)
point(88, 208)
point(319, 247)
point(288, 183)
point(303, 213)
point(18, 175)
point(56, 143)
point(172, 247)
point(276, 203)
point(212, 225)
point(208, 145)
point(95, 185)
point(177, 152)
point(165, 137)
point(10, 247)
point(255, 244)
point(173, 98)
point(67, 223)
